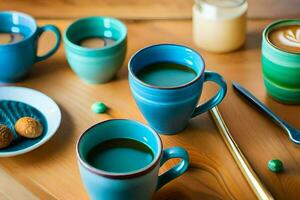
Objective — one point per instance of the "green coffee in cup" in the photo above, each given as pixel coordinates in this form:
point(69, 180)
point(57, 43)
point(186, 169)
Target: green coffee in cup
point(166, 74)
point(112, 155)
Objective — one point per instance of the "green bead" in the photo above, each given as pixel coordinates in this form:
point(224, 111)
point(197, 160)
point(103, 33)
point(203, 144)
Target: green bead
point(99, 107)
point(275, 165)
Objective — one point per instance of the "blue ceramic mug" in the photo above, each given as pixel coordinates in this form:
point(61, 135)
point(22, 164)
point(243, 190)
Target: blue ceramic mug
point(168, 109)
point(138, 184)
point(17, 58)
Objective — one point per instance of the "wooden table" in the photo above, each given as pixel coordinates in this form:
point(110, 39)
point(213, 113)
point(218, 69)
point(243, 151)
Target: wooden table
point(51, 172)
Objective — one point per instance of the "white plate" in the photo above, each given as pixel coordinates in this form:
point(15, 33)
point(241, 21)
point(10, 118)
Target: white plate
point(42, 103)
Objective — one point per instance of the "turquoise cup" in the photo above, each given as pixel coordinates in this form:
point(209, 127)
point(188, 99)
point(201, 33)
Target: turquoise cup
point(96, 65)
point(281, 69)
point(137, 184)
point(169, 109)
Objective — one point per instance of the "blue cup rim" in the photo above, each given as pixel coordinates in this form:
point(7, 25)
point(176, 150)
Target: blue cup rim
point(199, 75)
point(126, 175)
point(80, 48)
point(26, 16)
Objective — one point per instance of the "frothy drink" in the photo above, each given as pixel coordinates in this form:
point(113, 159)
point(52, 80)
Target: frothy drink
point(286, 38)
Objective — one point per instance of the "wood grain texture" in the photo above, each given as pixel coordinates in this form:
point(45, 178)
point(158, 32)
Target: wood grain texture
point(50, 172)
point(12, 189)
point(53, 168)
point(141, 9)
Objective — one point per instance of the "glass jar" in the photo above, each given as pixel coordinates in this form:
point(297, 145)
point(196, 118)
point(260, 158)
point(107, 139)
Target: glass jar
point(219, 25)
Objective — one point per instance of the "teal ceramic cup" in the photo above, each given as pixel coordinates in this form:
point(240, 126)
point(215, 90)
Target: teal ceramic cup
point(96, 65)
point(281, 69)
point(17, 58)
point(137, 184)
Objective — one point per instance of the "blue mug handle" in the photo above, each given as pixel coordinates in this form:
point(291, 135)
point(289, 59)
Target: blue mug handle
point(215, 100)
point(177, 170)
point(56, 31)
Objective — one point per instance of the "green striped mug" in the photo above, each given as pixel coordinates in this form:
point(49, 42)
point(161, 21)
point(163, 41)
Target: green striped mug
point(281, 69)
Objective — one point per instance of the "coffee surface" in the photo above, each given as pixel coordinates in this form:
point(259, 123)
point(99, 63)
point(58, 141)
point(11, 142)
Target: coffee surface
point(166, 74)
point(286, 38)
point(7, 38)
point(120, 155)
point(96, 42)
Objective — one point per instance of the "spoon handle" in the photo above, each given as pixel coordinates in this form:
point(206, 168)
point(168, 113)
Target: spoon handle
point(255, 183)
point(262, 107)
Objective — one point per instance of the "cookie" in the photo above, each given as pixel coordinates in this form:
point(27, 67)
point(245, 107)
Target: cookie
point(28, 127)
point(6, 136)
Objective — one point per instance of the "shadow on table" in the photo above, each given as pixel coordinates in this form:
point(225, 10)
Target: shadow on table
point(171, 194)
point(49, 66)
point(174, 193)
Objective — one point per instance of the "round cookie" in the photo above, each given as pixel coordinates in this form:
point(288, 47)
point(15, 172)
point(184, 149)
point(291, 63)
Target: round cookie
point(6, 136)
point(28, 127)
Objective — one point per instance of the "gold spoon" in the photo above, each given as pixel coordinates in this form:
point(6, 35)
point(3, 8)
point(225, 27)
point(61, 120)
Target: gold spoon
point(257, 186)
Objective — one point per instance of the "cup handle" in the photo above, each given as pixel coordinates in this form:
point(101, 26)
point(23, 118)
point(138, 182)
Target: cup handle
point(177, 170)
point(214, 101)
point(56, 31)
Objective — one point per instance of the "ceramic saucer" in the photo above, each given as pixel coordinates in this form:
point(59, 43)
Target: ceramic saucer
point(40, 102)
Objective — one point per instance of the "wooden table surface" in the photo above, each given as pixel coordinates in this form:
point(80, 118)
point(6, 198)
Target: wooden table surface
point(50, 172)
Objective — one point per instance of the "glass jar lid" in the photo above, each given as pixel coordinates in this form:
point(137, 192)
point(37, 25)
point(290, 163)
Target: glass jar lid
point(221, 9)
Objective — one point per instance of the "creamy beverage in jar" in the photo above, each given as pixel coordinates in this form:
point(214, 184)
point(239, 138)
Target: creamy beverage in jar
point(286, 38)
point(219, 25)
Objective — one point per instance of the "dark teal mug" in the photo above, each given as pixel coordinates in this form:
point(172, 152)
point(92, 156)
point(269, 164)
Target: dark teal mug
point(140, 183)
point(17, 58)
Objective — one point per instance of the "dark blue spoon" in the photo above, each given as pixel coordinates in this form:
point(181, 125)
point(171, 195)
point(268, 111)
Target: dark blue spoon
point(293, 133)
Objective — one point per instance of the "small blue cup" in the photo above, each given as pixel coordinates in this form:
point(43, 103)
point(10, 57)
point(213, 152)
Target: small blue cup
point(16, 59)
point(168, 109)
point(138, 184)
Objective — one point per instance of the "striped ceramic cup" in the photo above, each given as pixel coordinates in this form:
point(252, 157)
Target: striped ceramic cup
point(281, 67)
